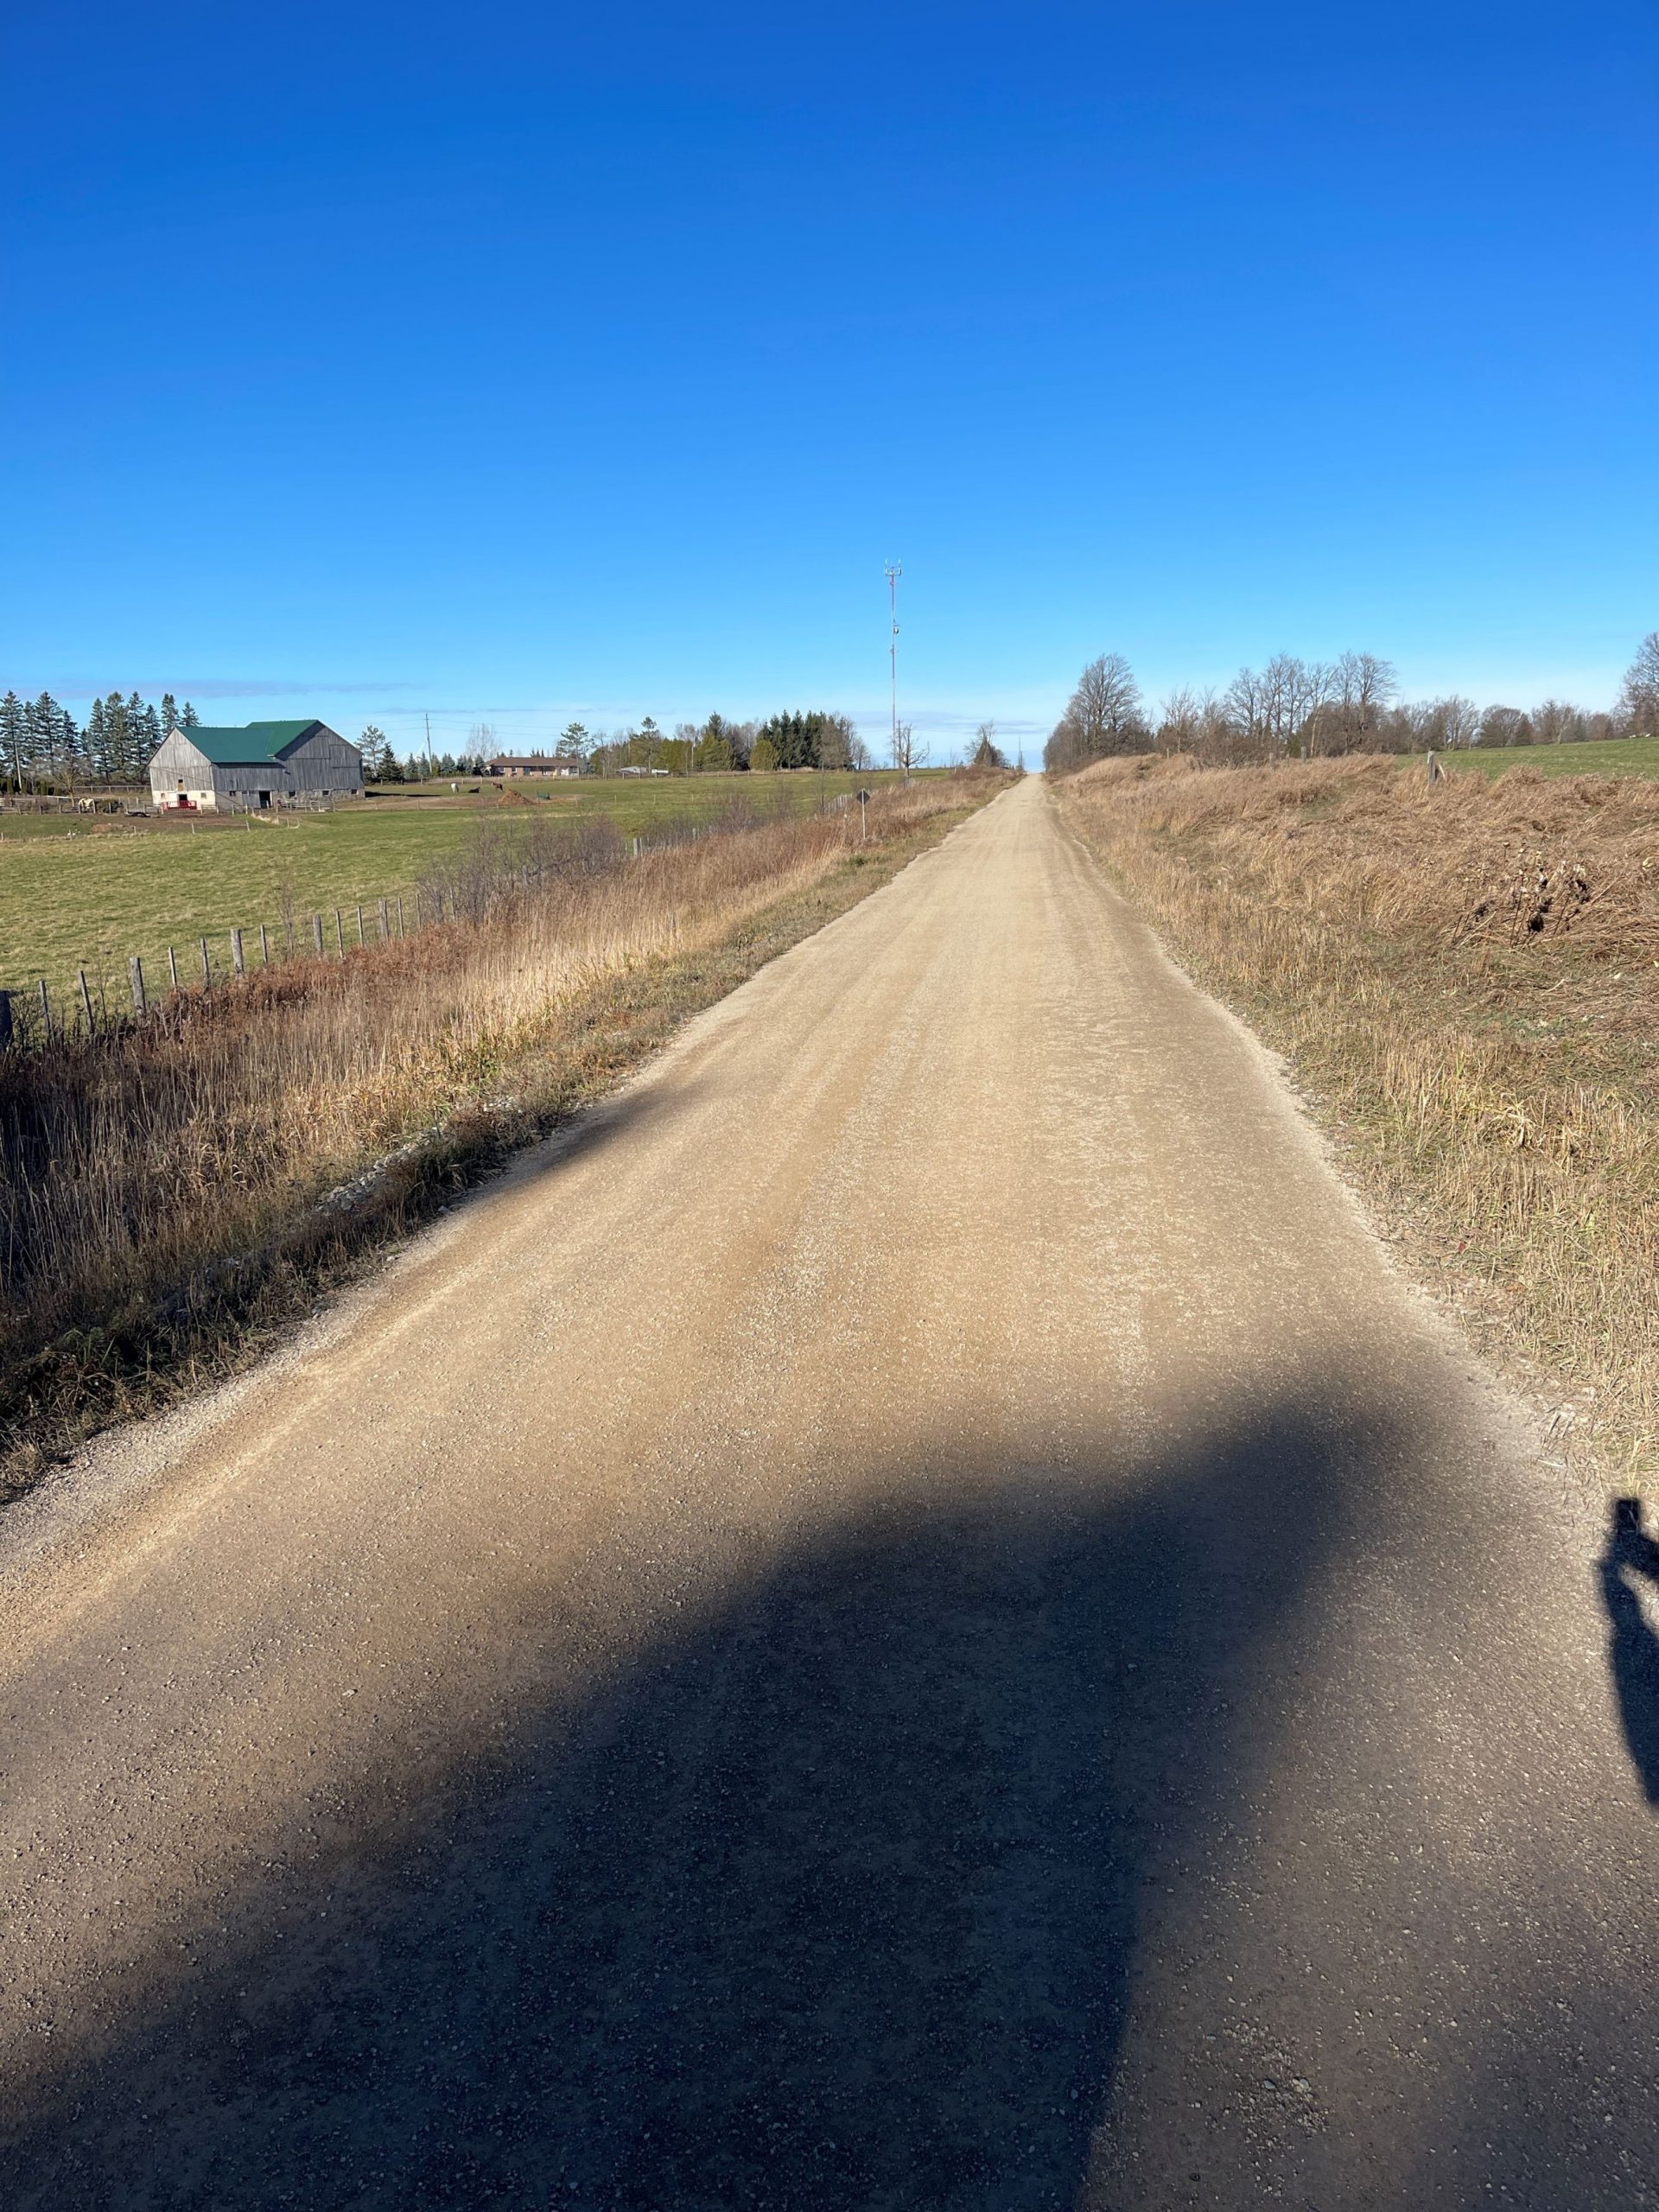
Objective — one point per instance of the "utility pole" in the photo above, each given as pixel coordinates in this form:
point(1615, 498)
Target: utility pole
point(895, 569)
point(429, 748)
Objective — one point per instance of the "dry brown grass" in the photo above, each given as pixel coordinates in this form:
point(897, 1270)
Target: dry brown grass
point(169, 1194)
point(1466, 979)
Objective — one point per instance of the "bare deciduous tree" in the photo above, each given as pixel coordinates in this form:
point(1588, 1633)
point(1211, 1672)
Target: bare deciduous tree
point(1358, 689)
point(1248, 708)
point(907, 755)
point(1444, 725)
point(836, 738)
point(1505, 726)
point(1292, 691)
point(1101, 716)
point(1180, 721)
point(1639, 700)
point(1557, 721)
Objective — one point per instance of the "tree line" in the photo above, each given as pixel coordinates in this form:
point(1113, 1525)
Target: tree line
point(809, 739)
point(382, 766)
point(42, 745)
point(1352, 704)
point(43, 748)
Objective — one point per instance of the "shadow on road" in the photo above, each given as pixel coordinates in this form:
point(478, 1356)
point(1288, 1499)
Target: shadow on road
point(1633, 1648)
point(830, 1900)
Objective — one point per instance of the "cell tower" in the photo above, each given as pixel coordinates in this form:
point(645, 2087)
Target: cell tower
point(895, 569)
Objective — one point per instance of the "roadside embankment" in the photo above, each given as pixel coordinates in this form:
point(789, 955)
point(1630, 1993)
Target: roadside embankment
point(173, 1192)
point(1465, 978)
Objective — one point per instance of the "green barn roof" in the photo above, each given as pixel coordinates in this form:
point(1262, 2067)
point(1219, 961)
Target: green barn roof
point(237, 748)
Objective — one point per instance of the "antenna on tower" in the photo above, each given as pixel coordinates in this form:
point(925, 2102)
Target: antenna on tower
point(895, 569)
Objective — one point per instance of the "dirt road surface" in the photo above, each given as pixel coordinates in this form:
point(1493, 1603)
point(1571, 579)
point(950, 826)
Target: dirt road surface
point(914, 1617)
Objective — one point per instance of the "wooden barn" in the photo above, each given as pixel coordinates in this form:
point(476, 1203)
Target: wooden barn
point(262, 765)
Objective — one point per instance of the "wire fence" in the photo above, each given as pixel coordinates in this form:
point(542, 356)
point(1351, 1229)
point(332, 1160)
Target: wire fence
point(97, 1003)
point(103, 1002)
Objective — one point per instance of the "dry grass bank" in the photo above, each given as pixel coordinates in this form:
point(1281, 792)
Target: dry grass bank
point(1466, 980)
point(169, 1195)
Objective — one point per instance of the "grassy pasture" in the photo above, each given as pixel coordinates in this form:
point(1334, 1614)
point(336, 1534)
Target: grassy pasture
point(1624, 756)
point(76, 893)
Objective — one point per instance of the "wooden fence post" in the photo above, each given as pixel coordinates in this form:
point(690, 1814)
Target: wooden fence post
point(339, 934)
point(401, 930)
point(238, 960)
point(360, 937)
point(46, 1012)
point(316, 933)
point(86, 1002)
point(207, 965)
point(136, 976)
point(385, 923)
point(264, 947)
point(5, 1021)
point(173, 966)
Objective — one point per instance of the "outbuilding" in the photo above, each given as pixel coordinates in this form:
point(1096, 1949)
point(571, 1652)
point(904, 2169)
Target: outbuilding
point(262, 765)
point(535, 764)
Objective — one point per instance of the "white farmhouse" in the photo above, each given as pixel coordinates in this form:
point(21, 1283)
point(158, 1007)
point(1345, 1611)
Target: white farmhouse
point(266, 764)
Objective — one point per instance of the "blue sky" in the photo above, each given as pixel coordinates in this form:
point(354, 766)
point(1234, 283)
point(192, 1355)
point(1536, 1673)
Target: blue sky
point(516, 363)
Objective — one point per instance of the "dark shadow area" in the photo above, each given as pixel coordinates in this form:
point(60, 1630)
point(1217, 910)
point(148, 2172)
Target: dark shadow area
point(1633, 1648)
point(830, 1900)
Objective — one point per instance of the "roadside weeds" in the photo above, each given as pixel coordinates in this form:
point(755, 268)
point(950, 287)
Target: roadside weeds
point(1464, 980)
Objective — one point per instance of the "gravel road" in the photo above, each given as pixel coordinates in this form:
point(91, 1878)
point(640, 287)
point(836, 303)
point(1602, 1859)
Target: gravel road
point(913, 1616)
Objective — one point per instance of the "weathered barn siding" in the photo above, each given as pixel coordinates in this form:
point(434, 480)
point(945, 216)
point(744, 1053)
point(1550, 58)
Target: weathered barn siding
point(179, 768)
point(241, 769)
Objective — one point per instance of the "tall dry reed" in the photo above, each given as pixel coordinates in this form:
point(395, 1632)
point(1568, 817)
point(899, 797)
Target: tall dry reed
point(1467, 975)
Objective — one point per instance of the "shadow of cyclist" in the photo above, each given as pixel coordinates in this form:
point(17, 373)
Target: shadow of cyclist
point(1633, 1648)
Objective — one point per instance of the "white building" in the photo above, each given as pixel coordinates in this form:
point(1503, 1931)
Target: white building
point(266, 764)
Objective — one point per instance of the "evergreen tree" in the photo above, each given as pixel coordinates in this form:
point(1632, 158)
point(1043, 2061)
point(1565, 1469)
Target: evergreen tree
point(149, 734)
point(45, 725)
point(169, 713)
point(140, 720)
point(116, 743)
point(714, 744)
point(794, 738)
point(14, 739)
point(987, 752)
point(72, 749)
point(97, 755)
point(190, 719)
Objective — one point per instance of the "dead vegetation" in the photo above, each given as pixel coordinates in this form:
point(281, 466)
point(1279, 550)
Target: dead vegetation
point(170, 1192)
point(1465, 977)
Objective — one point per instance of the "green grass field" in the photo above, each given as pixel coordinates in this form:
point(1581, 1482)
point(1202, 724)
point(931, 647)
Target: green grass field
point(73, 894)
point(1625, 756)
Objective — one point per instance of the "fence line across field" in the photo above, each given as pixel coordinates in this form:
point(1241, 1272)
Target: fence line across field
point(24, 1016)
point(33, 1018)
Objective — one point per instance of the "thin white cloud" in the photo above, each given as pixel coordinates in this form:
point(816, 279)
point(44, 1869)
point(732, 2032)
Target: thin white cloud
point(233, 687)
